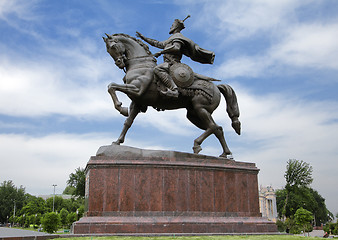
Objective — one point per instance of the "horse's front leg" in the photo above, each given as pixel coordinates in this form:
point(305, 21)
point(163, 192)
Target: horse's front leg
point(134, 111)
point(117, 103)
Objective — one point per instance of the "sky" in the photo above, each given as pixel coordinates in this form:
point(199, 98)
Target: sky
point(280, 57)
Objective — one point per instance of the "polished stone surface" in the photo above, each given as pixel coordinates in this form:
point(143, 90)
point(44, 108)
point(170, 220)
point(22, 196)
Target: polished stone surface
point(144, 191)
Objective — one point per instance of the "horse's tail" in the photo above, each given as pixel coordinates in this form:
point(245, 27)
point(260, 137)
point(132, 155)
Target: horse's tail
point(232, 106)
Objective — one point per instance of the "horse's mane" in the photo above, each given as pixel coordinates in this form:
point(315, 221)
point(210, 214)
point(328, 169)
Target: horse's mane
point(142, 44)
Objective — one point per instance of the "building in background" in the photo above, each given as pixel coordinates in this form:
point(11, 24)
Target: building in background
point(45, 197)
point(267, 203)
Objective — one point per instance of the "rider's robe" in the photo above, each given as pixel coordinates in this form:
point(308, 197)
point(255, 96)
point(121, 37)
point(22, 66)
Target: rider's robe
point(192, 50)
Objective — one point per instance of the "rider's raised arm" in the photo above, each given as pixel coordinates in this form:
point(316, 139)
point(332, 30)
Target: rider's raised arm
point(152, 42)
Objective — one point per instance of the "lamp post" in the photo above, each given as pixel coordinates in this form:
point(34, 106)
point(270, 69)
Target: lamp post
point(54, 185)
point(14, 212)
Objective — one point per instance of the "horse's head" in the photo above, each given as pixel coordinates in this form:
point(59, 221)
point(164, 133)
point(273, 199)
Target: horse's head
point(124, 48)
point(116, 49)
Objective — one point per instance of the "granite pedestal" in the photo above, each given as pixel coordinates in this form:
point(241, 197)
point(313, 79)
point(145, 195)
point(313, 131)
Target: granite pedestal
point(131, 190)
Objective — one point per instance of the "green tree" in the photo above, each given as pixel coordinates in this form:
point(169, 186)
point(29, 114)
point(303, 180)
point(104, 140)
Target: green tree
point(37, 220)
point(34, 205)
point(298, 174)
point(72, 217)
point(63, 215)
point(303, 218)
point(321, 213)
point(78, 181)
point(298, 197)
point(27, 221)
point(80, 212)
point(69, 190)
point(10, 196)
point(59, 203)
point(307, 198)
point(291, 226)
point(51, 222)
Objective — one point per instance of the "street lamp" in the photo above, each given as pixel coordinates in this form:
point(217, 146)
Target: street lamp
point(54, 185)
point(14, 212)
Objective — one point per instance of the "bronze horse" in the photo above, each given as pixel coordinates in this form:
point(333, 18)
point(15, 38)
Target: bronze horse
point(141, 86)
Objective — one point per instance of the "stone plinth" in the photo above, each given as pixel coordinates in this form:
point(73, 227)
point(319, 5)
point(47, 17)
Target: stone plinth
point(130, 190)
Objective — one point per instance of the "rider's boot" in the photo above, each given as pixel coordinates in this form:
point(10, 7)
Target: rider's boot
point(171, 93)
point(172, 90)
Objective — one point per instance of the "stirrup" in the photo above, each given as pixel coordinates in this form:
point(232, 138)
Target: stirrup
point(170, 93)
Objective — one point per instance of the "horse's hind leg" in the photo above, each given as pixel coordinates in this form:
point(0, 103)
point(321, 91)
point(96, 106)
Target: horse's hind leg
point(220, 135)
point(191, 115)
point(198, 141)
point(134, 111)
point(202, 119)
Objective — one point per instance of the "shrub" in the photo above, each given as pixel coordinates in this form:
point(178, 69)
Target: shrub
point(331, 228)
point(295, 229)
point(63, 214)
point(51, 222)
point(303, 218)
point(335, 230)
point(281, 226)
point(72, 217)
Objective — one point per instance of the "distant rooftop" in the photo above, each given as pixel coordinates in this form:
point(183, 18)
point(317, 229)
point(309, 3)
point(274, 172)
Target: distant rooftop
point(45, 197)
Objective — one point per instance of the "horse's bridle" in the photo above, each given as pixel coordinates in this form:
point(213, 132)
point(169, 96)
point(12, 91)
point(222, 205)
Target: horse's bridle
point(122, 58)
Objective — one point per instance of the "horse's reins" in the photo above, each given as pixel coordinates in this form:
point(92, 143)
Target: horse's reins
point(139, 57)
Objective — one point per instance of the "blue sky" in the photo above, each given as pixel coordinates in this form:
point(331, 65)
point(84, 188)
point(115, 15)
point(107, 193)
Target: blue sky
point(281, 57)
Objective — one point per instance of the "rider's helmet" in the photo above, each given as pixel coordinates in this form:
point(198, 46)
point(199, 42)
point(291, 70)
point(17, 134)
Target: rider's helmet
point(178, 25)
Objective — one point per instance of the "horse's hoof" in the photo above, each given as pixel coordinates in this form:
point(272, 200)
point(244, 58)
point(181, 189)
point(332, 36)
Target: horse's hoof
point(237, 126)
point(124, 111)
point(226, 155)
point(117, 142)
point(197, 148)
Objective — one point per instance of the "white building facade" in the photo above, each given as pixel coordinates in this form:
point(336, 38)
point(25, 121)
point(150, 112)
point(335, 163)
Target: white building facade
point(267, 203)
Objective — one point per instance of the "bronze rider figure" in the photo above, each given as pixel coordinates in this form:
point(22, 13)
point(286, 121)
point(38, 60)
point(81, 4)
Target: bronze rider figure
point(173, 49)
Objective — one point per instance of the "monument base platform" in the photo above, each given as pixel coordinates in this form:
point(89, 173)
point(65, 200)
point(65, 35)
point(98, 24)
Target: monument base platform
point(174, 225)
point(131, 191)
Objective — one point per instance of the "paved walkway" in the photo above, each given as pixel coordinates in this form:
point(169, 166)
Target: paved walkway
point(314, 233)
point(13, 232)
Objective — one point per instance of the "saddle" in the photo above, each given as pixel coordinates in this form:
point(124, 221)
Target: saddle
point(188, 82)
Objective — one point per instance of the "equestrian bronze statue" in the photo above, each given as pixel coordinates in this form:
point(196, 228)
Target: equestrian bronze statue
point(171, 84)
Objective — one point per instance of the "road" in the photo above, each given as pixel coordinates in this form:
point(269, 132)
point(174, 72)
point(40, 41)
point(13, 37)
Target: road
point(13, 232)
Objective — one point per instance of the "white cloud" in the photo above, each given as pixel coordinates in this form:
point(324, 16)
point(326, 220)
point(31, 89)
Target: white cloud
point(71, 80)
point(168, 122)
point(38, 162)
point(20, 8)
point(243, 66)
point(242, 19)
point(274, 129)
point(71, 86)
point(279, 127)
point(309, 45)
point(288, 40)
point(306, 46)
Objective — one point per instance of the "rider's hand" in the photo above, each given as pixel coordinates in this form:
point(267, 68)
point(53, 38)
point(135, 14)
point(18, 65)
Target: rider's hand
point(157, 54)
point(139, 35)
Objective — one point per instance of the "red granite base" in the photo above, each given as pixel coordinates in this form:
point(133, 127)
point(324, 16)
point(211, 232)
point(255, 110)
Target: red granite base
point(177, 225)
point(131, 190)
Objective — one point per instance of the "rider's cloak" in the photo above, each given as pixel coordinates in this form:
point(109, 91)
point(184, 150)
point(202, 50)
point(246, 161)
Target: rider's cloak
point(192, 50)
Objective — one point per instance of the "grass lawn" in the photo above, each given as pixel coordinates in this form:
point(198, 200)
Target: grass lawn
point(247, 237)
